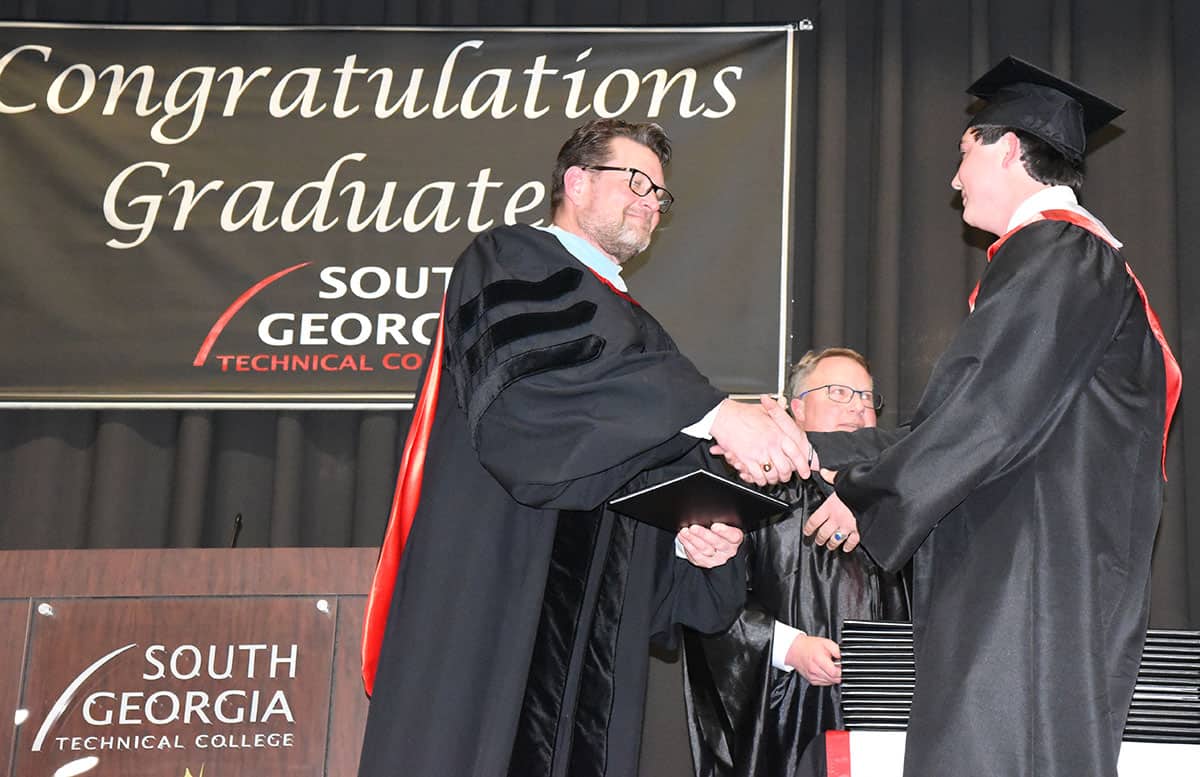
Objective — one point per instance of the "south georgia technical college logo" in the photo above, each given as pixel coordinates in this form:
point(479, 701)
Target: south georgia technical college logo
point(193, 701)
point(339, 340)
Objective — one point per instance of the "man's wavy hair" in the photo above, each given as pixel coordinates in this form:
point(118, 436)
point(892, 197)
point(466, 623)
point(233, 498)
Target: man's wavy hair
point(1044, 163)
point(590, 145)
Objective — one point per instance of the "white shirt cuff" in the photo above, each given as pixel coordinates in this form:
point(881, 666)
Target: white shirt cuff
point(702, 428)
point(784, 636)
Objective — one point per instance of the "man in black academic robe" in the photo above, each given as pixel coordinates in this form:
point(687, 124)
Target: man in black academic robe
point(518, 633)
point(760, 692)
point(1029, 483)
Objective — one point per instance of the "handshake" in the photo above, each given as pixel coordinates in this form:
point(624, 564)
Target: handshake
point(762, 442)
point(765, 446)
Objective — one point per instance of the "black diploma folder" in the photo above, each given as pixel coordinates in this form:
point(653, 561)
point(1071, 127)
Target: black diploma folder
point(700, 497)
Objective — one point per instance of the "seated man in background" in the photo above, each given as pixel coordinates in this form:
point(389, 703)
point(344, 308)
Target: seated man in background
point(758, 693)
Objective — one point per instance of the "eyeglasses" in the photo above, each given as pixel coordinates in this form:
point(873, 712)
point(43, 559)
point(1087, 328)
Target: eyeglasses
point(843, 394)
point(641, 185)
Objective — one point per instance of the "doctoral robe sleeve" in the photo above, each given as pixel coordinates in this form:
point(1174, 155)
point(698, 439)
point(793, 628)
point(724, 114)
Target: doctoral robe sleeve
point(568, 389)
point(1049, 303)
point(741, 655)
point(706, 600)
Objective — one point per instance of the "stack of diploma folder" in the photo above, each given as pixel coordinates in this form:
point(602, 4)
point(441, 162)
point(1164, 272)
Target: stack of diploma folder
point(1166, 698)
point(878, 675)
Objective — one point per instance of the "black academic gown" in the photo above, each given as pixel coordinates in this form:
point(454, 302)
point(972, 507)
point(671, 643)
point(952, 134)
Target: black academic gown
point(519, 630)
point(1029, 488)
point(745, 717)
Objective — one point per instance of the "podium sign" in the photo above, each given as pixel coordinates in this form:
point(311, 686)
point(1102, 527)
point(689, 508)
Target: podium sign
point(182, 663)
point(167, 686)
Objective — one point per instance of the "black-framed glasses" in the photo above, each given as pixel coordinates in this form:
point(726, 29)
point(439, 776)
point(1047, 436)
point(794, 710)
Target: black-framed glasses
point(843, 394)
point(641, 185)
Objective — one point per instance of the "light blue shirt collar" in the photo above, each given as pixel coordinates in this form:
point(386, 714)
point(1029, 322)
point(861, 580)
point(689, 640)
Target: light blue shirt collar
point(595, 259)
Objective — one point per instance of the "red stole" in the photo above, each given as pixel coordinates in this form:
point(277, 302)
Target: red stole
point(404, 507)
point(1171, 366)
point(622, 294)
point(405, 501)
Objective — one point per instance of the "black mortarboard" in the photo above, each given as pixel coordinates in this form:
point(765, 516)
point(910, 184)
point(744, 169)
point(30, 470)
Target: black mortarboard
point(1023, 96)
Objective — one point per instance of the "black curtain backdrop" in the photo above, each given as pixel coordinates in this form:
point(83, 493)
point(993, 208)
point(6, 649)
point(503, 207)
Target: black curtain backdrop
point(883, 262)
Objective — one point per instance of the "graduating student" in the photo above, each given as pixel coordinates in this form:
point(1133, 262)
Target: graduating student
point(761, 691)
point(515, 633)
point(1029, 485)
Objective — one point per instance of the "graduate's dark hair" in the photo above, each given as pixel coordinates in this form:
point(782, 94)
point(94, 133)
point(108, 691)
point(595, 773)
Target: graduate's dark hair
point(809, 361)
point(1043, 162)
point(589, 145)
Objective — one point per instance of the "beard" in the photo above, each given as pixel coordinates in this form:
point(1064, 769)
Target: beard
point(622, 238)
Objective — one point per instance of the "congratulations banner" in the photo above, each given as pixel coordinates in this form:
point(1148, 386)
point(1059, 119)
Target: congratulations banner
point(220, 215)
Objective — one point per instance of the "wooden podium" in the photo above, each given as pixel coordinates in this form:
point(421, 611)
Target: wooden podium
point(182, 663)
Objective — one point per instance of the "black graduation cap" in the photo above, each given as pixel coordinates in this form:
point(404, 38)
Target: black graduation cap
point(1024, 96)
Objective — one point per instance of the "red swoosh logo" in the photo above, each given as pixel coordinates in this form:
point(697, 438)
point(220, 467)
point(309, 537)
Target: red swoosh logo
point(232, 310)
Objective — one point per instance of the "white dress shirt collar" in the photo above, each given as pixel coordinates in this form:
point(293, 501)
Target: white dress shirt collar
point(1054, 198)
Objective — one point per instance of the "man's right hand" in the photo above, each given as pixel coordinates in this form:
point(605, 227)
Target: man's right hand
point(753, 441)
point(814, 657)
